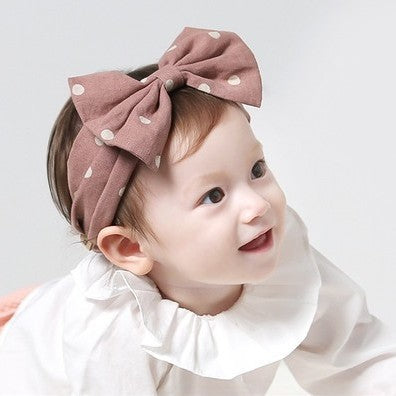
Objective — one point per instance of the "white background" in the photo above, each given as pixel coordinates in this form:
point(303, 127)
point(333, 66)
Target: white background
point(327, 120)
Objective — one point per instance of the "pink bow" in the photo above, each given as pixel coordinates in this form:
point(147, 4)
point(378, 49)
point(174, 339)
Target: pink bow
point(125, 120)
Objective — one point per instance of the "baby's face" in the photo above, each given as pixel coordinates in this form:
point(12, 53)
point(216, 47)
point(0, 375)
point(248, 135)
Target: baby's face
point(201, 222)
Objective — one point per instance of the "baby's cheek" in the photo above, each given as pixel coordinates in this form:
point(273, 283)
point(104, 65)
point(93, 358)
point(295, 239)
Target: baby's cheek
point(278, 197)
point(174, 235)
point(282, 200)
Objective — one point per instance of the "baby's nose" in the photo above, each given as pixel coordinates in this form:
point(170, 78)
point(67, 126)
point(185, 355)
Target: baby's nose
point(255, 206)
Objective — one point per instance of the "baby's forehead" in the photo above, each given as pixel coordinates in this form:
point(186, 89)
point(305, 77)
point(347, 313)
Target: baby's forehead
point(230, 138)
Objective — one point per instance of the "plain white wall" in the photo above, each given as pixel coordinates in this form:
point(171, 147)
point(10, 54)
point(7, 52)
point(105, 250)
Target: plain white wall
point(327, 119)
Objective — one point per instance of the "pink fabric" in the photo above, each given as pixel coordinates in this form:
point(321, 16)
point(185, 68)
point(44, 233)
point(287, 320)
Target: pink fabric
point(126, 120)
point(10, 302)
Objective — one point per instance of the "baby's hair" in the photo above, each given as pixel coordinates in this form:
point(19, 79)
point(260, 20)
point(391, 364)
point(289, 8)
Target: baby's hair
point(194, 114)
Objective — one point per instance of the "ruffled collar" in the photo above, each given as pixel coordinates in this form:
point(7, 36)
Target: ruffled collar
point(267, 322)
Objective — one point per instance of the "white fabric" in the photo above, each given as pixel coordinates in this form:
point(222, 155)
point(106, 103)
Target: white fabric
point(101, 330)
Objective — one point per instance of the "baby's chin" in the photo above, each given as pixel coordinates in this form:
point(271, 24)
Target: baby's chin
point(267, 272)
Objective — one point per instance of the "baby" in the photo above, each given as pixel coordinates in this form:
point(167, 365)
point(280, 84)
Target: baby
point(200, 278)
point(201, 225)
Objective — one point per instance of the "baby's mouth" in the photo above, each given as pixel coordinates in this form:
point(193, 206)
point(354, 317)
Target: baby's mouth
point(262, 242)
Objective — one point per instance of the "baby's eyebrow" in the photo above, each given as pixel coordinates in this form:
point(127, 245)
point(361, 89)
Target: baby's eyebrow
point(208, 177)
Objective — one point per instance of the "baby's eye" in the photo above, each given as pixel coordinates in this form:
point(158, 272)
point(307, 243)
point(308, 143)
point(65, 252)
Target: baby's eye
point(214, 192)
point(263, 167)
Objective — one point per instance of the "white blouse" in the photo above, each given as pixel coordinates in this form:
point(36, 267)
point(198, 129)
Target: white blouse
point(101, 330)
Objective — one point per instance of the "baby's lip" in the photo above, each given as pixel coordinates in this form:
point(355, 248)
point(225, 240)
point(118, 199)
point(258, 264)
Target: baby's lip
point(256, 236)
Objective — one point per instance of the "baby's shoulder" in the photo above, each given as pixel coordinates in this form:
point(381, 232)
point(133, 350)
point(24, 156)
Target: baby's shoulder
point(60, 306)
point(61, 332)
point(41, 306)
point(31, 342)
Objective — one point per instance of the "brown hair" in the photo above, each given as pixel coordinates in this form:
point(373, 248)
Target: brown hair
point(194, 114)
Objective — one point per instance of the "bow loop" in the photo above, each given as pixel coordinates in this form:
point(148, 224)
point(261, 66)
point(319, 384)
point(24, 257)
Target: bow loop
point(216, 62)
point(137, 124)
point(98, 93)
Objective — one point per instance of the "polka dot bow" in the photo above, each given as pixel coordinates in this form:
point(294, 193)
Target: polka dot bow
point(126, 120)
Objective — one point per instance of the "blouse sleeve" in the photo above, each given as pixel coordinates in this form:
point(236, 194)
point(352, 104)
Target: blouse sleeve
point(347, 351)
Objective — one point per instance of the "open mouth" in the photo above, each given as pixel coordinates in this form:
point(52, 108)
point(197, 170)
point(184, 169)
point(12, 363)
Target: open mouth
point(262, 243)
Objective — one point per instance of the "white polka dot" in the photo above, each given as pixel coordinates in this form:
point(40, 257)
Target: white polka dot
point(98, 141)
point(121, 191)
point(78, 89)
point(168, 84)
point(143, 80)
point(171, 48)
point(88, 173)
point(215, 35)
point(144, 120)
point(234, 80)
point(157, 161)
point(106, 134)
point(204, 87)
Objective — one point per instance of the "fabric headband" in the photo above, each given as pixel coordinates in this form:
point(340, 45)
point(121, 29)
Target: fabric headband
point(127, 120)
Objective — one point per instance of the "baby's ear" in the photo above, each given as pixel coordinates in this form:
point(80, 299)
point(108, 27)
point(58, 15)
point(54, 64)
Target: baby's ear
point(123, 250)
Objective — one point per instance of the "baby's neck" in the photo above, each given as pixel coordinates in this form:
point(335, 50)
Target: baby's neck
point(203, 301)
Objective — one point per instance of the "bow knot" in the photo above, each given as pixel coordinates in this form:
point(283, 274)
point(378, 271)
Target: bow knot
point(171, 76)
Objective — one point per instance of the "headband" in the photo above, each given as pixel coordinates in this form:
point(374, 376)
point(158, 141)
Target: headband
point(127, 120)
